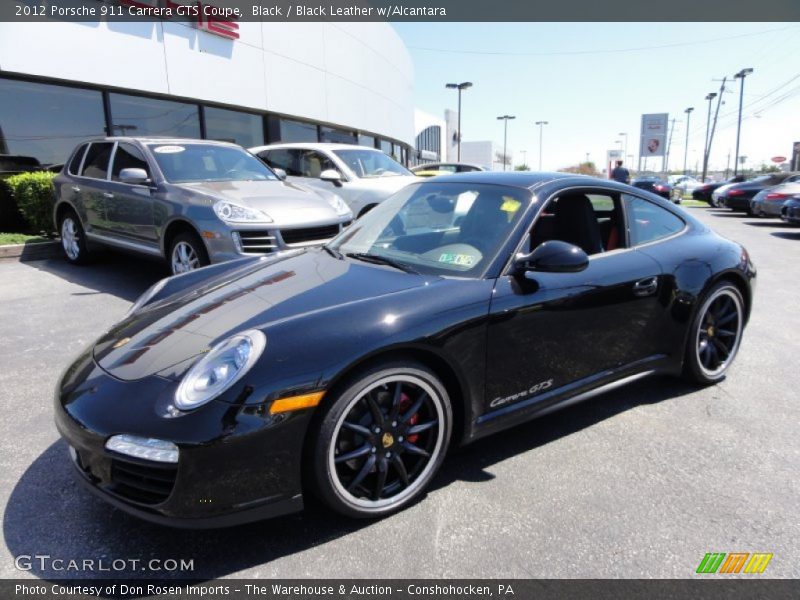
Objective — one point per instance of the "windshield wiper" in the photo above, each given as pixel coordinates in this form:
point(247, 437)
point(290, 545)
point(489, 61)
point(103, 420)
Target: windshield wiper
point(334, 253)
point(381, 260)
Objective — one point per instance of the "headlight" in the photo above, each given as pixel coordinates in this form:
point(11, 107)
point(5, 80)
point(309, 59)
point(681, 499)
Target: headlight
point(145, 298)
point(233, 213)
point(339, 206)
point(218, 370)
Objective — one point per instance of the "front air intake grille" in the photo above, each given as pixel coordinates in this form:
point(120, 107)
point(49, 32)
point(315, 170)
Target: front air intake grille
point(144, 482)
point(257, 242)
point(309, 234)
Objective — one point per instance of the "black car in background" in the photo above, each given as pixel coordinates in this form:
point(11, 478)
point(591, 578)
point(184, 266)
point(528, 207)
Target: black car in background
point(653, 184)
point(704, 192)
point(458, 307)
point(790, 212)
point(737, 197)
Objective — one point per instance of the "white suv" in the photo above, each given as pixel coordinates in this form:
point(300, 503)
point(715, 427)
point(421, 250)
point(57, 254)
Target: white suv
point(362, 176)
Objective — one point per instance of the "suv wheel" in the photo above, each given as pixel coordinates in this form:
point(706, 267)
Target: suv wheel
point(73, 238)
point(187, 253)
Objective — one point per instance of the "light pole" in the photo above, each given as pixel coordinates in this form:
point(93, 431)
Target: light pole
point(459, 86)
point(740, 75)
point(707, 150)
point(506, 119)
point(541, 125)
point(688, 112)
point(621, 134)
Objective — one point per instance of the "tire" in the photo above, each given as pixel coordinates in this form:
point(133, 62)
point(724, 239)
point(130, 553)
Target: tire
point(392, 461)
point(715, 335)
point(187, 253)
point(73, 238)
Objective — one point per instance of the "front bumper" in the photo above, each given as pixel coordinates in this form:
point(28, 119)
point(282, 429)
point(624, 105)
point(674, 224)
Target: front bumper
point(791, 214)
point(735, 202)
point(236, 463)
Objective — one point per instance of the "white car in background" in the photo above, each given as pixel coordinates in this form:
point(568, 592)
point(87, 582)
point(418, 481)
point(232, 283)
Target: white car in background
point(685, 183)
point(362, 176)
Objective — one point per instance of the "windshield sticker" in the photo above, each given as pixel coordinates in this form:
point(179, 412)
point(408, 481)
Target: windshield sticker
point(169, 149)
point(464, 260)
point(510, 206)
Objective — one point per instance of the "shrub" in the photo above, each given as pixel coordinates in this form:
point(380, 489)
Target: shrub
point(35, 196)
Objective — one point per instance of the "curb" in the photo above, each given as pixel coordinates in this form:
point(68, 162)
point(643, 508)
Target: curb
point(30, 251)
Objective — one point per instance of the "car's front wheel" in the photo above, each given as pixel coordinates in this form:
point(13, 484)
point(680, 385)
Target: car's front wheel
point(715, 334)
point(187, 253)
point(73, 238)
point(381, 440)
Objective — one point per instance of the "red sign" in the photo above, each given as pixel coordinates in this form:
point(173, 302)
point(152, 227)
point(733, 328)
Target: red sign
point(207, 17)
point(779, 159)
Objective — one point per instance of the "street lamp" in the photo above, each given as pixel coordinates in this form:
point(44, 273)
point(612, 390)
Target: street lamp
point(740, 75)
point(541, 124)
point(707, 150)
point(459, 86)
point(505, 118)
point(688, 112)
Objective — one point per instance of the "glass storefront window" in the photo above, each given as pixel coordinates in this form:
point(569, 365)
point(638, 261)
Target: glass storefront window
point(287, 130)
point(47, 121)
point(366, 140)
point(338, 136)
point(245, 129)
point(138, 116)
point(386, 147)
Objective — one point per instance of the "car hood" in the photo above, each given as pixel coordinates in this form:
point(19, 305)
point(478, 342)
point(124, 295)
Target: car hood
point(389, 185)
point(163, 338)
point(283, 201)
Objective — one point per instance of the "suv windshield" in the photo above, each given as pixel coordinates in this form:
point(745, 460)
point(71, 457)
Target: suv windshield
point(371, 163)
point(436, 228)
point(182, 163)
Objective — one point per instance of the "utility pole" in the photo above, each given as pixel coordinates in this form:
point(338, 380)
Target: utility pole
point(688, 112)
point(669, 144)
point(541, 125)
point(506, 119)
point(728, 164)
point(722, 90)
point(740, 75)
point(710, 96)
point(459, 86)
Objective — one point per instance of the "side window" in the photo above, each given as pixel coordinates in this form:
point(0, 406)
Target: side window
point(648, 222)
point(75, 163)
point(96, 163)
point(587, 219)
point(313, 163)
point(128, 156)
point(286, 159)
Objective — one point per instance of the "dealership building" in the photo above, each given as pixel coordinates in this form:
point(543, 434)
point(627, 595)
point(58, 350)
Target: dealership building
point(254, 83)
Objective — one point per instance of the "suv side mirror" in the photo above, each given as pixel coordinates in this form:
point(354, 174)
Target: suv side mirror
point(134, 176)
point(553, 256)
point(332, 176)
point(280, 173)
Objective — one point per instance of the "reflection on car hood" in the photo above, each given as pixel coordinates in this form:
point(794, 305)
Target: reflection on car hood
point(389, 184)
point(284, 202)
point(180, 328)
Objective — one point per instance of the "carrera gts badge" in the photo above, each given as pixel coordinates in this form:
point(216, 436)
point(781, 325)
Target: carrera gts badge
point(534, 389)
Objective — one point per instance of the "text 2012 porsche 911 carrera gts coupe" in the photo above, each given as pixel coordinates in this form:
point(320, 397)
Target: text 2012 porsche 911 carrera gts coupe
point(460, 306)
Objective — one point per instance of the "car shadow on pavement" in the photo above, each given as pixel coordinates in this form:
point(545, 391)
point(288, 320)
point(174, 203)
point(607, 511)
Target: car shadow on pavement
point(787, 235)
point(114, 273)
point(725, 213)
point(49, 512)
point(774, 224)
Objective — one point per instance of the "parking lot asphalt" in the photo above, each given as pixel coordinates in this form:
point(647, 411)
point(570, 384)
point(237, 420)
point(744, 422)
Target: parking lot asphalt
point(639, 482)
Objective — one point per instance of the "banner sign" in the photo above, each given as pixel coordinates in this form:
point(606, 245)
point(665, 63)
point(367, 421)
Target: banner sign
point(653, 136)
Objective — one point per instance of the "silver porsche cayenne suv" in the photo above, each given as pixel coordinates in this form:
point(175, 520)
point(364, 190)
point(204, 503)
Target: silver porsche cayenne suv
point(191, 202)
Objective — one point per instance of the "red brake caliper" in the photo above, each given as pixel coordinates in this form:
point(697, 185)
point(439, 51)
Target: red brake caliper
point(405, 402)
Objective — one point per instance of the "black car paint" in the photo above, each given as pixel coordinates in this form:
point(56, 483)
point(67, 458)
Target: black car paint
point(790, 211)
point(738, 197)
point(324, 316)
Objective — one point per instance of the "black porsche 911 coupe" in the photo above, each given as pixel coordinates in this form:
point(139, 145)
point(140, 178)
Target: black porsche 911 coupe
point(459, 307)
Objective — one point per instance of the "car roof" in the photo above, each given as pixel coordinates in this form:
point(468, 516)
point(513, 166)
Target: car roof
point(159, 140)
point(523, 179)
point(314, 145)
point(447, 164)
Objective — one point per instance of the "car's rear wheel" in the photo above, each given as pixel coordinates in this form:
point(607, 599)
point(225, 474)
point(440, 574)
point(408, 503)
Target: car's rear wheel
point(715, 334)
point(73, 238)
point(187, 253)
point(381, 440)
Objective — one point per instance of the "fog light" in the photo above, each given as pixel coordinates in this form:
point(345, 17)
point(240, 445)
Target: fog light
point(145, 448)
point(237, 242)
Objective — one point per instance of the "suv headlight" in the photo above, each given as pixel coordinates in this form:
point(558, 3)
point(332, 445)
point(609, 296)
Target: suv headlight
point(233, 213)
point(218, 370)
point(340, 206)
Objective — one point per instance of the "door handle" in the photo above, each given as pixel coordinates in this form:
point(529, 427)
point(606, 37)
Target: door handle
point(108, 195)
point(645, 287)
point(76, 189)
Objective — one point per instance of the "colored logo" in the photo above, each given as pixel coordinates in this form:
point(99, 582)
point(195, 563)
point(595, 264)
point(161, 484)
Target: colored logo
point(735, 562)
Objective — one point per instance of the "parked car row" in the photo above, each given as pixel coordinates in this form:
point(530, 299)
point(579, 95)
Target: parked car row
point(762, 196)
point(197, 202)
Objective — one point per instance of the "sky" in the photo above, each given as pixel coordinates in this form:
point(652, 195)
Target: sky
point(593, 81)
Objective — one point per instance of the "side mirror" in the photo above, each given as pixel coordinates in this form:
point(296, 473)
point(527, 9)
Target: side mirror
point(553, 256)
point(281, 174)
point(332, 176)
point(134, 176)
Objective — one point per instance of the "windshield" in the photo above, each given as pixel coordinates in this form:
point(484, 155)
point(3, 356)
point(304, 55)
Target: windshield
point(437, 228)
point(371, 163)
point(182, 163)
